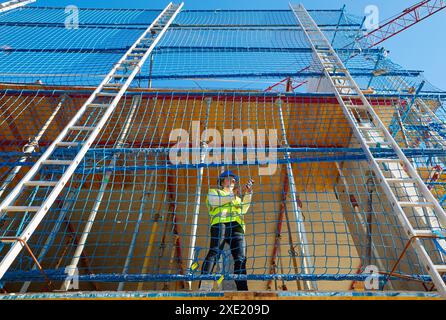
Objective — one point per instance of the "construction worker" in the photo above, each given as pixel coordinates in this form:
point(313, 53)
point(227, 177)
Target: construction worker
point(226, 211)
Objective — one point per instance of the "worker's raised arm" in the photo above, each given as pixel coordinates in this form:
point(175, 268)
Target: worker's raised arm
point(246, 201)
point(216, 199)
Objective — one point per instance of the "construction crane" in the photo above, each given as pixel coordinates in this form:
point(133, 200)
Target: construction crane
point(390, 28)
point(401, 22)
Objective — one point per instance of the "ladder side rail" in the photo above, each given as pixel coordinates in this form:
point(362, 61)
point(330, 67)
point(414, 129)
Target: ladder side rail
point(413, 173)
point(9, 258)
point(10, 5)
point(418, 246)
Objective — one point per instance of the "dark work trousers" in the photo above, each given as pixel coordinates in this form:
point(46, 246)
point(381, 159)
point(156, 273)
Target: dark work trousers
point(233, 234)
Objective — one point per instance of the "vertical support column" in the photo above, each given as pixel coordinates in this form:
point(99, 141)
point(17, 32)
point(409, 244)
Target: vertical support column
point(171, 208)
point(176, 240)
point(84, 257)
point(375, 68)
point(125, 70)
point(362, 220)
point(277, 241)
point(203, 153)
point(138, 223)
point(337, 26)
point(52, 236)
point(30, 148)
point(105, 180)
point(153, 230)
point(403, 117)
point(151, 70)
point(304, 248)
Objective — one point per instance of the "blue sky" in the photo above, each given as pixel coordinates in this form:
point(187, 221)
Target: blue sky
point(421, 47)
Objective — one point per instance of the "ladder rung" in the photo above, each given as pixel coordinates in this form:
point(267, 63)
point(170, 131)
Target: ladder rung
point(82, 128)
point(369, 128)
point(440, 268)
point(58, 162)
point(352, 106)
point(415, 204)
point(8, 239)
point(379, 142)
point(107, 94)
point(131, 62)
point(113, 85)
point(21, 209)
point(425, 233)
point(68, 144)
point(97, 105)
point(135, 55)
point(40, 183)
point(120, 76)
point(344, 87)
point(128, 64)
point(128, 67)
point(401, 180)
point(388, 160)
point(140, 49)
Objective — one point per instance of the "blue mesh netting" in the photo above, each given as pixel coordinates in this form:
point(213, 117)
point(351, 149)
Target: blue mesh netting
point(35, 45)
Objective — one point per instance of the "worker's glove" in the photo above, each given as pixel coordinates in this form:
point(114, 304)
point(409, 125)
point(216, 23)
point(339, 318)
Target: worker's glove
point(248, 186)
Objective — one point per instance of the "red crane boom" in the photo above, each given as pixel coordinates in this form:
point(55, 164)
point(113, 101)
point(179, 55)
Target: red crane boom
point(403, 21)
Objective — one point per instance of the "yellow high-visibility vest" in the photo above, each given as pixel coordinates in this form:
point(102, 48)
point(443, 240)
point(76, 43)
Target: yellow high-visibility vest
point(233, 211)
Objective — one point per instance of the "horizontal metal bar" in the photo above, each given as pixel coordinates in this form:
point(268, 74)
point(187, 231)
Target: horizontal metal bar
point(69, 144)
point(57, 162)
point(21, 209)
point(81, 128)
point(98, 105)
point(383, 152)
point(440, 268)
point(424, 233)
point(267, 74)
point(223, 94)
point(59, 275)
point(397, 180)
point(325, 27)
point(164, 49)
point(40, 183)
point(415, 204)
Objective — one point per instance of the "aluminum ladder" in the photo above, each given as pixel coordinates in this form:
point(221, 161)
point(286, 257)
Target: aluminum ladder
point(9, 5)
point(79, 135)
point(353, 103)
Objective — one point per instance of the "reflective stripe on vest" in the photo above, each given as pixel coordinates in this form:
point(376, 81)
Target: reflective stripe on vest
point(229, 212)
